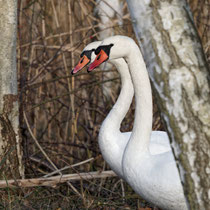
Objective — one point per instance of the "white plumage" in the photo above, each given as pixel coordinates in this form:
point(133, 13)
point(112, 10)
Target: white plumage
point(138, 157)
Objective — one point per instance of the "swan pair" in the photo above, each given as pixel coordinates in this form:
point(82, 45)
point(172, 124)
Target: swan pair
point(143, 158)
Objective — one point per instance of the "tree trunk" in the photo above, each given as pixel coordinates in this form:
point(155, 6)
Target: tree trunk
point(10, 150)
point(201, 17)
point(180, 78)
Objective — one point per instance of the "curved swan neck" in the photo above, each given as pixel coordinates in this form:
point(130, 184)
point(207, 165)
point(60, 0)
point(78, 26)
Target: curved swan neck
point(143, 111)
point(121, 107)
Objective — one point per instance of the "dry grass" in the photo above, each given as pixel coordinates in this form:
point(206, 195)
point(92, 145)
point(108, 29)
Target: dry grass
point(201, 16)
point(61, 114)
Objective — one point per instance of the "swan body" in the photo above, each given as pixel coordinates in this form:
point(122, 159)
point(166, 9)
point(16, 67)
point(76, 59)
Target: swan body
point(112, 142)
point(153, 175)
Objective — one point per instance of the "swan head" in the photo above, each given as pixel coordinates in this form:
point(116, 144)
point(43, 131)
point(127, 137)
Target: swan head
point(111, 48)
point(87, 56)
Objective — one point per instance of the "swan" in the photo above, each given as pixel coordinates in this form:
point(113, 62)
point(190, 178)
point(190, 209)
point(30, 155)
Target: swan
point(112, 142)
point(154, 177)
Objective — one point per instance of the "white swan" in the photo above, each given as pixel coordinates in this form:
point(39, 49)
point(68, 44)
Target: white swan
point(112, 142)
point(154, 177)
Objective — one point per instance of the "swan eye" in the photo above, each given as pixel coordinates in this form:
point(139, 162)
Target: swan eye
point(105, 48)
point(97, 51)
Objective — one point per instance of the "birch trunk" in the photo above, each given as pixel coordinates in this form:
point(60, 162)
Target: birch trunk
point(180, 78)
point(10, 150)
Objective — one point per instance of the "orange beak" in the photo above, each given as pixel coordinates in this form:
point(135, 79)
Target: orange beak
point(100, 58)
point(81, 64)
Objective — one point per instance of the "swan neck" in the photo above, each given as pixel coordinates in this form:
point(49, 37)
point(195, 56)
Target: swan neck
point(143, 97)
point(121, 107)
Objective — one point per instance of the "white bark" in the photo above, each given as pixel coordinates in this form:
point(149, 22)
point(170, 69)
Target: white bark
point(180, 77)
point(10, 149)
point(107, 10)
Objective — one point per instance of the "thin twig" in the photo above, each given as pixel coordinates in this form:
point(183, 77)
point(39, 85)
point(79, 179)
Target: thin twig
point(37, 143)
point(67, 167)
point(53, 181)
point(74, 91)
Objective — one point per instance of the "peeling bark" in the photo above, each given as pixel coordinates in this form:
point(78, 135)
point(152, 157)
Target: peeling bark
point(180, 77)
point(10, 146)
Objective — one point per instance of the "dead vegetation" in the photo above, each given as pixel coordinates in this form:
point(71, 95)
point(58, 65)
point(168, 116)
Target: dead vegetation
point(60, 114)
point(201, 16)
